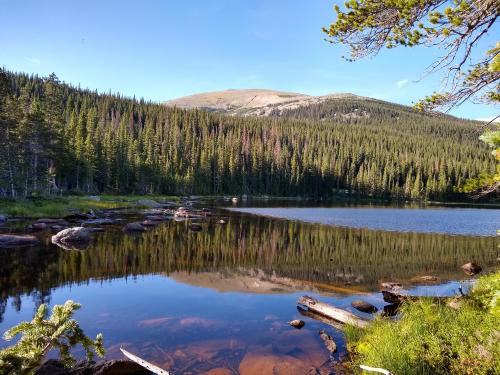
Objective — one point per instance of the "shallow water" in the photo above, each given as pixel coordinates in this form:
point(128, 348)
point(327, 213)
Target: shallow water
point(221, 298)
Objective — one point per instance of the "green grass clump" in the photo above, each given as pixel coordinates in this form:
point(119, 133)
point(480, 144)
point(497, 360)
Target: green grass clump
point(433, 338)
point(53, 207)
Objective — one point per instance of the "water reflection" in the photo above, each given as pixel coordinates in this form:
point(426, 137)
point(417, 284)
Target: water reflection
point(220, 298)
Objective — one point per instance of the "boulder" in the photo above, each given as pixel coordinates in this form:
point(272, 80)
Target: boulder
point(134, 227)
point(156, 218)
point(38, 226)
point(113, 367)
point(50, 221)
point(150, 223)
point(72, 235)
point(471, 269)
point(101, 221)
point(391, 286)
point(271, 364)
point(148, 203)
point(297, 323)
point(218, 371)
point(364, 306)
point(12, 240)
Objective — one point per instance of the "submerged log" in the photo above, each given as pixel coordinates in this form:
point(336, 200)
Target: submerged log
point(329, 343)
point(154, 369)
point(331, 312)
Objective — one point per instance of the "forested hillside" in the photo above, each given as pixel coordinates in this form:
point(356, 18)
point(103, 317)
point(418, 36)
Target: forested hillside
point(56, 138)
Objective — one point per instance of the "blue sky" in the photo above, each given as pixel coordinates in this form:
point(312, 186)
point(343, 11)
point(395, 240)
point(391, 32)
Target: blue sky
point(165, 49)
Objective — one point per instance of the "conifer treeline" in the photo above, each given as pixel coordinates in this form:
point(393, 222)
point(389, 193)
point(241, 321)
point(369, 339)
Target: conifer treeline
point(54, 137)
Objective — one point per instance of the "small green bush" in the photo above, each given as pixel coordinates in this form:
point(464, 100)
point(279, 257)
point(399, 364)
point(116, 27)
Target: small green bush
point(432, 338)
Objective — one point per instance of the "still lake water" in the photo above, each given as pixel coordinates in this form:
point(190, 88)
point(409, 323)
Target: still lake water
point(220, 298)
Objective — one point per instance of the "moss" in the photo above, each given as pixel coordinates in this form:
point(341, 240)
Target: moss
point(433, 338)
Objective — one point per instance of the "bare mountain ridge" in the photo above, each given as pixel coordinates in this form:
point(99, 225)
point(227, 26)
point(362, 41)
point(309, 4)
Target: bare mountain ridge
point(252, 102)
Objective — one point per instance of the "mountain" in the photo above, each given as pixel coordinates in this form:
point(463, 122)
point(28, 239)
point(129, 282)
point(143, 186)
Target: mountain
point(251, 102)
point(58, 138)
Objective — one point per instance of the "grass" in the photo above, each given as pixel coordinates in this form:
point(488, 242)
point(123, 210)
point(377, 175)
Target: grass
point(37, 207)
point(433, 338)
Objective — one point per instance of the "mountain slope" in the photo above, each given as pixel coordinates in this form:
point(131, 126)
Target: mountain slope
point(250, 102)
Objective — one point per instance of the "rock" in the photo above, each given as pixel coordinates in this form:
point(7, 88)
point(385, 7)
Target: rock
point(71, 236)
point(329, 343)
point(297, 323)
point(3, 218)
point(471, 269)
point(38, 226)
point(391, 310)
point(134, 227)
point(364, 306)
point(156, 218)
point(113, 367)
point(80, 216)
point(102, 221)
point(425, 279)
point(150, 223)
point(222, 221)
point(57, 228)
point(271, 364)
point(95, 198)
point(11, 240)
point(218, 371)
point(195, 227)
point(148, 203)
point(391, 286)
point(50, 221)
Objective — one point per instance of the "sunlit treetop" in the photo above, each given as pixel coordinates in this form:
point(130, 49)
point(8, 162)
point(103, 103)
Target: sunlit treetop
point(456, 27)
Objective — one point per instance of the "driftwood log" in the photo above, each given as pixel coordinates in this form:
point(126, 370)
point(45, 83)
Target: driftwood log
point(331, 312)
point(149, 366)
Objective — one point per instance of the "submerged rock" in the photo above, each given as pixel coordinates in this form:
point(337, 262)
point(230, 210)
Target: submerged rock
point(328, 341)
point(271, 364)
point(364, 306)
point(113, 367)
point(72, 235)
point(134, 227)
point(12, 240)
point(471, 269)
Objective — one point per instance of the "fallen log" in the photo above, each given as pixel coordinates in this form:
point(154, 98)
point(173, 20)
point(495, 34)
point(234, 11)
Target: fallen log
point(320, 318)
point(331, 312)
point(149, 366)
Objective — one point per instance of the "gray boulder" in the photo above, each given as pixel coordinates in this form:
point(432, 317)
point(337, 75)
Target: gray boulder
point(12, 240)
point(72, 235)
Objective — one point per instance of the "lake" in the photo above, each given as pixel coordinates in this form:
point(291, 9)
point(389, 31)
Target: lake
point(192, 302)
